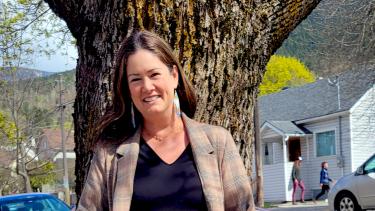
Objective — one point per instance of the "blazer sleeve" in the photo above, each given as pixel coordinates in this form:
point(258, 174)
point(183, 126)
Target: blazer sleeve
point(236, 183)
point(93, 197)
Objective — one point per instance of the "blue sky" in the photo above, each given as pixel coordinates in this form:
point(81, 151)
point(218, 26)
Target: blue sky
point(63, 59)
point(62, 56)
point(42, 36)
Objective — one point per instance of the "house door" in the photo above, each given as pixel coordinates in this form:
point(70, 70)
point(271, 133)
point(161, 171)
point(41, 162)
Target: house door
point(294, 148)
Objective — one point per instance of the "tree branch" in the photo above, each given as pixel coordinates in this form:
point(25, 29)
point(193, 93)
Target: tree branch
point(36, 167)
point(69, 11)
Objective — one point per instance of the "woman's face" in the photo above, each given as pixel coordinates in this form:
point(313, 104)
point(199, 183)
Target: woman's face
point(325, 165)
point(151, 83)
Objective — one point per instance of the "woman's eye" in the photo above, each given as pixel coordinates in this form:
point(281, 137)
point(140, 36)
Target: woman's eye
point(134, 79)
point(155, 74)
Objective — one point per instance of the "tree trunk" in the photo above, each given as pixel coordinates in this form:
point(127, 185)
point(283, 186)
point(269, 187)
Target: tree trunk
point(21, 167)
point(222, 45)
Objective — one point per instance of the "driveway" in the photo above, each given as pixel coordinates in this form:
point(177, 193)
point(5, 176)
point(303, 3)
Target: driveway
point(308, 206)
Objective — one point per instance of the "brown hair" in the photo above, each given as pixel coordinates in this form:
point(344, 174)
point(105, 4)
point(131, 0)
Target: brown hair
point(116, 122)
point(323, 163)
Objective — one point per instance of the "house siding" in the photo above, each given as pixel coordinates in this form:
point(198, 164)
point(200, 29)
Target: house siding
point(278, 151)
point(274, 186)
point(273, 174)
point(362, 120)
point(311, 170)
point(269, 133)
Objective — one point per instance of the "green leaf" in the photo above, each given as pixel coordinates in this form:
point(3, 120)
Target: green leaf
point(283, 72)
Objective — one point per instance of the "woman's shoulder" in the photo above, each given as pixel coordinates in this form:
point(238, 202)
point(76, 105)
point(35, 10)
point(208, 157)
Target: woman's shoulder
point(217, 135)
point(107, 146)
point(215, 130)
point(209, 129)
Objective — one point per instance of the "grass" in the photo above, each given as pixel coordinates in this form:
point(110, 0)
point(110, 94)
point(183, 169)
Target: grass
point(268, 205)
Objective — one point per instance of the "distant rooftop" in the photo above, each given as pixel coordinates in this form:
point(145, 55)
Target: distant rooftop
point(6, 157)
point(53, 137)
point(289, 128)
point(318, 98)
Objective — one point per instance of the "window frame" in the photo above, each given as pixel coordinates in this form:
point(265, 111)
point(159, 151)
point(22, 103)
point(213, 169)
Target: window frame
point(270, 145)
point(327, 129)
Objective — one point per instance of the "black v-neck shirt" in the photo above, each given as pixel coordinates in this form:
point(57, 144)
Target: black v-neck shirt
point(162, 186)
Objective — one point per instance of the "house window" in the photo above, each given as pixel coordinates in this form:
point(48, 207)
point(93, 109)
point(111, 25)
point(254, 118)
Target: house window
point(267, 154)
point(325, 143)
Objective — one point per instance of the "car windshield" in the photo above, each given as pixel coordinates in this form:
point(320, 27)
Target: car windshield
point(370, 165)
point(33, 204)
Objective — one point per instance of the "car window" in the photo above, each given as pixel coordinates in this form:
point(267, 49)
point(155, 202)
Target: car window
point(55, 204)
point(370, 165)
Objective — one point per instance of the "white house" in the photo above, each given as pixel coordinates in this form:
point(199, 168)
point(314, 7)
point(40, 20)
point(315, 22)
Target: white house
point(328, 120)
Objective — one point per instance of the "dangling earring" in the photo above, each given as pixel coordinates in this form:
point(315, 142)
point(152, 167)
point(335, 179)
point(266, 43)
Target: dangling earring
point(176, 102)
point(132, 114)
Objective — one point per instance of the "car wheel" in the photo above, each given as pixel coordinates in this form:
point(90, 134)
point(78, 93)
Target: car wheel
point(346, 202)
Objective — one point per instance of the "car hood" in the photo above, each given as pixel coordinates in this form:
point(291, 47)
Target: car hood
point(346, 178)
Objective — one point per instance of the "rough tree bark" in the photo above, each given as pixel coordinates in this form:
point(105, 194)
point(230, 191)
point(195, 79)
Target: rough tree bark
point(222, 45)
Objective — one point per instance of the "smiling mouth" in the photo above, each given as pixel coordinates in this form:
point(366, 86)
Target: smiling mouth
point(151, 99)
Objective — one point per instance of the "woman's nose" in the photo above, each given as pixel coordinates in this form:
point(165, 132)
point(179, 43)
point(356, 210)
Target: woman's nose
point(148, 85)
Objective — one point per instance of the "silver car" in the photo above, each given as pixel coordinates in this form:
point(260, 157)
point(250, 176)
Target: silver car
point(355, 191)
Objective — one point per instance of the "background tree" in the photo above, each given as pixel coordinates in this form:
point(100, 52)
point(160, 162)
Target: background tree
point(37, 113)
point(283, 72)
point(337, 36)
point(27, 121)
point(7, 137)
point(22, 24)
point(222, 45)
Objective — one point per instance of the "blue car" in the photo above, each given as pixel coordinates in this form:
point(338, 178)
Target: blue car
point(32, 202)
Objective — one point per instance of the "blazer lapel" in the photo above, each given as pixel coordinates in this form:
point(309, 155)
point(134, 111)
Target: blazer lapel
point(126, 165)
point(207, 164)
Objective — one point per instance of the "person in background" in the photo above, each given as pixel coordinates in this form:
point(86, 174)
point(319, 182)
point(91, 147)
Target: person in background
point(297, 180)
point(324, 180)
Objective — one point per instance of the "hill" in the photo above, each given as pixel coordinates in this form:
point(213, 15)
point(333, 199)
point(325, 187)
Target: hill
point(37, 96)
point(23, 73)
point(337, 36)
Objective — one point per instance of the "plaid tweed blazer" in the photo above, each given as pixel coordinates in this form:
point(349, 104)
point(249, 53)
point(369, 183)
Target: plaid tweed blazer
point(226, 186)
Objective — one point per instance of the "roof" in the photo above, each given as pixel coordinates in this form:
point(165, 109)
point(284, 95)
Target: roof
point(6, 157)
point(318, 98)
point(53, 136)
point(24, 195)
point(287, 127)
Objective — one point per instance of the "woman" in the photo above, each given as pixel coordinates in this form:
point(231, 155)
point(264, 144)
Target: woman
point(324, 180)
point(297, 180)
point(151, 155)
